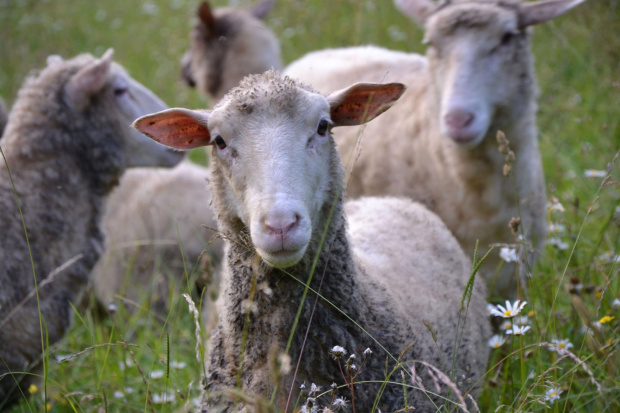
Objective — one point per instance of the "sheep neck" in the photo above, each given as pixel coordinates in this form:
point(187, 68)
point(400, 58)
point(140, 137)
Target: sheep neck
point(265, 300)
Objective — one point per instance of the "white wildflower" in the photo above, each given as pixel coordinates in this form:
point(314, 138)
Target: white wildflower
point(353, 367)
point(508, 254)
point(553, 394)
point(119, 394)
point(157, 374)
point(178, 364)
point(510, 310)
point(556, 227)
point(496, 341)
point(368, 351)
point(563, 344)
point(555, 205)
point(337, 352)
point(594, 173)
point(490, 308)
point(162, 398)
point(339, 403)
point(558, 243)
point(506, 325)
point(518, 330)
point(314, 389)
point(609, 257)
point(615, 303)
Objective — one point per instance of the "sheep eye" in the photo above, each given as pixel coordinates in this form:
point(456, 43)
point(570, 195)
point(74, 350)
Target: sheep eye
point(507, 38)
point(219, 141)
point(119, 91)
point(322, 129)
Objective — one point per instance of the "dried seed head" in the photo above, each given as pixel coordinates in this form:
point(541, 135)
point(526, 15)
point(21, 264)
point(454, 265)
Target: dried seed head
point(514, 225)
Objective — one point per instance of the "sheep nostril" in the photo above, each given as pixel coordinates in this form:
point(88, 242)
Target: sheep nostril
point(280, 224)
point(459, 118)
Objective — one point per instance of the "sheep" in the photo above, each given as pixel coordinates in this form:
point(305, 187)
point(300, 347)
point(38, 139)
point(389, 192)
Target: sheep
point(66, 143)
point(439, 145)
point(277, 188)
point(157, 228)
point(4, 115)
point(227, 44)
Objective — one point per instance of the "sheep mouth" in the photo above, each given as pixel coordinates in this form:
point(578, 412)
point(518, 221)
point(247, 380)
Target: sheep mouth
point(282, 258)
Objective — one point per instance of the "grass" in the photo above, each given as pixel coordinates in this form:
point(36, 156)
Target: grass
point(130, 361)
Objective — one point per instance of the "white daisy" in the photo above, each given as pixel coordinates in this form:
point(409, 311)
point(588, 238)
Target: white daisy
point(496, 341)
point(594, 173)
point(555, 205)
point(157, 374)
point(490, 308)
point(561, 344)
point(506, 325)
point(558, 243)
point(518, 330)
point(553, 394)
point(508, 254)
point(521, 320)
point(556, 227)
point(510, 310)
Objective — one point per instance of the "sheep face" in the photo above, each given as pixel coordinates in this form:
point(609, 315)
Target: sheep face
point(479, 60)
point(272, 147)
point(133, 100)
point(103, 87)
point(228, 44)
point(477, 57)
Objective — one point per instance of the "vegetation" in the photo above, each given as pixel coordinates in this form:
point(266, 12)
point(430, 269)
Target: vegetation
point(141, 361)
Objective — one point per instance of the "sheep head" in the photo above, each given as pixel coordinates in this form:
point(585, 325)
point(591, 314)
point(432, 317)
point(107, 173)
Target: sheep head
point(272, 145)
point(105, 87)
point(227, 44)
point(480, 61)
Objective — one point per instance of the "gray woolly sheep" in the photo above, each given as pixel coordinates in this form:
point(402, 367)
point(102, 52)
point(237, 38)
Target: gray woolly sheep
point(438, 146)
point(227, 44)
point(277, 187)
point(67, 142)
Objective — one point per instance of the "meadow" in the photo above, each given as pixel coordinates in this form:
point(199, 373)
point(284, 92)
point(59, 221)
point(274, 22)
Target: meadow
point(141, 361)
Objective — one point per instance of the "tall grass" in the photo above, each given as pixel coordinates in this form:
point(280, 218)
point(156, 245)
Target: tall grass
point(138, 361)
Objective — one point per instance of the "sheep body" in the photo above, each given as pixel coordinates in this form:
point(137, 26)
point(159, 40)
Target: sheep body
point(426, 149)
point(67, 143)
point(156, 212)
point(378, 273)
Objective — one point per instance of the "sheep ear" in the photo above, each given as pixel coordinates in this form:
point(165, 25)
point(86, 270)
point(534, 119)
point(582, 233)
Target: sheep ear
point(89, 81)
point(261, 9)
point(542, 11)
point(177, 128)
point(207, 18)
point(417, 10)
point(363, 102)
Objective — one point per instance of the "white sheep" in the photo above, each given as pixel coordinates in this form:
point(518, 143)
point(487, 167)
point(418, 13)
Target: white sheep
point(438, 146)
point(277, 185)
point(227, 44)
point(158, 230)
point(144, 248)
point(66, 143)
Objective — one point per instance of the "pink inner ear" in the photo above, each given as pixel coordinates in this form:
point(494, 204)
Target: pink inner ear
point(175, 130)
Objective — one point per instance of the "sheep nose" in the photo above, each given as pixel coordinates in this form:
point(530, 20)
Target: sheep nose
point(458, 118)
point(280, 223)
